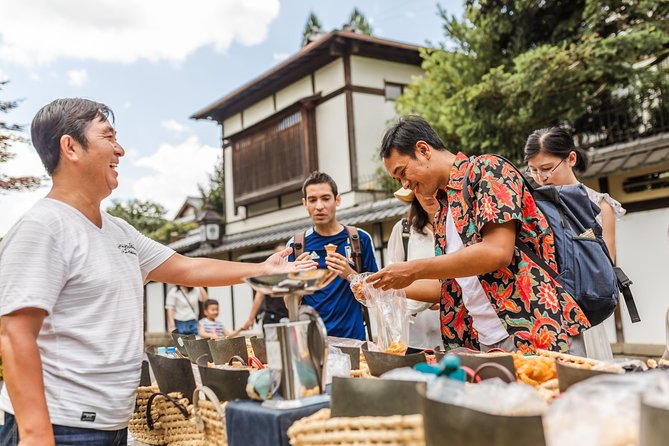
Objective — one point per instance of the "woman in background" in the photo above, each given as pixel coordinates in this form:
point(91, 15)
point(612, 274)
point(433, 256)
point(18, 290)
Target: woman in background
point(553, 160)
point(425, 331)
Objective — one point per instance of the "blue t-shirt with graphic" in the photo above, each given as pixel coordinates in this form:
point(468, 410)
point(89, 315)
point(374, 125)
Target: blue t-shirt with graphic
point(341, 313)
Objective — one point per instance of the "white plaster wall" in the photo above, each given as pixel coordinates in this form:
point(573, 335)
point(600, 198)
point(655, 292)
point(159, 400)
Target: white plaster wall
point(293, 93)
point(223, 296)
point(229, 188)
point(155, 308)
point(332, 137)
point(232, 125)
point(367, 72)
point(243, 302)
point(371, 115)
point(642, 251)
point(260, 221)
point(330, 77)
point(258, 111)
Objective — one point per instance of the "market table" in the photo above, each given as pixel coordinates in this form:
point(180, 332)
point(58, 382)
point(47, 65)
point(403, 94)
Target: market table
point(248, 423)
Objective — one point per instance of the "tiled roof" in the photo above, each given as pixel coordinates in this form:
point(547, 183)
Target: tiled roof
point(629, 155)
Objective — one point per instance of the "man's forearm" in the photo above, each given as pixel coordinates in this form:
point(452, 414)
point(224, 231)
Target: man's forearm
point(204, 272)
point(474, 260)
point(424, 291)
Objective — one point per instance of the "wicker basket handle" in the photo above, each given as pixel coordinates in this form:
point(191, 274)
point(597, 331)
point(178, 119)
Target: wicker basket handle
point(211, 396)
point(493, 365)
point(149, 418)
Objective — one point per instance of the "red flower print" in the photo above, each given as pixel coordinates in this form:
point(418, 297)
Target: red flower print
point(548, 297)
point(502, 193)
point(488, 208)
point(544, 339)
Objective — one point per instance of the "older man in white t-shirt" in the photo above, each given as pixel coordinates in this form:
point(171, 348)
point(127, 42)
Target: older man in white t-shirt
point(71, 290)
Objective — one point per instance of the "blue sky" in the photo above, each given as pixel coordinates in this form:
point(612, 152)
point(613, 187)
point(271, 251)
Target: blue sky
point(157, 62)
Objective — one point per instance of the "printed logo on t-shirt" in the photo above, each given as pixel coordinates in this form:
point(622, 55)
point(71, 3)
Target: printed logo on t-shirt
point(349, 254)
point(127, 248)
point(314, 255)
point(88, 416)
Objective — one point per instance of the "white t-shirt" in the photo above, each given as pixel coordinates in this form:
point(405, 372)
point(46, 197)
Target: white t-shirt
point(425, 331)
point(483, 314)
point(90, 282)
point(184, 310)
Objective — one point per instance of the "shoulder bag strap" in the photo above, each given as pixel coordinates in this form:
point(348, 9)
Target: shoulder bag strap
point(356, 253)
point(196, 313)
point(406, 233)
point(298, 243)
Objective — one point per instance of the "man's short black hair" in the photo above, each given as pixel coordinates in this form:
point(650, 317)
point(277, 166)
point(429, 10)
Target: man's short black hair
point(70, 116)
point(405, 133)
point(317, 177)
point(208, 303)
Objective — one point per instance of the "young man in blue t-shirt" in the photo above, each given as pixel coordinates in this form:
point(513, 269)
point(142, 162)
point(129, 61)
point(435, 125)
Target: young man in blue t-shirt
point(335, 303)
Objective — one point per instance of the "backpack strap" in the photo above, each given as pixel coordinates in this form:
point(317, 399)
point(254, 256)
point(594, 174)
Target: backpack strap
point(406, 233)
point(298, 244)
point(356, 250)
point(624, 284)
point(356, 253)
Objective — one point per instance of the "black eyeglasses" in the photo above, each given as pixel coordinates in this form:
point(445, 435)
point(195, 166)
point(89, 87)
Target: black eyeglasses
point(543, 174)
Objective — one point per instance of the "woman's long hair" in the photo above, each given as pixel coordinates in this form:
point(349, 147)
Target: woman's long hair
point(557, 142)
point(418, 217)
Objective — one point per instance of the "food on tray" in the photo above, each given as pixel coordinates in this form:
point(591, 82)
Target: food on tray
point(534, 370)
point(330, 248)
point(569, 360)
point(396, 348)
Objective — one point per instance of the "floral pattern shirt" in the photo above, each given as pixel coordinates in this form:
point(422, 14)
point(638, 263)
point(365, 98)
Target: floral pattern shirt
point(533, 308)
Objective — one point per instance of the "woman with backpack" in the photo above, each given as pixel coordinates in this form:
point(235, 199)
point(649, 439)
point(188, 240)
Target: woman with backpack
point(554, 160)
point(413, 238)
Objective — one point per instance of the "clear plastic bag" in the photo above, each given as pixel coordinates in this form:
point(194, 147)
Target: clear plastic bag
point(390, 312)
point(338, 364)
point(492, 396)
point(615, 399)
point(362, 291)
point(392, 321)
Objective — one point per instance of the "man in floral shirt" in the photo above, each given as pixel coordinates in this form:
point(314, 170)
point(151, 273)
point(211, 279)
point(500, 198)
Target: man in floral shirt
point(490, 294)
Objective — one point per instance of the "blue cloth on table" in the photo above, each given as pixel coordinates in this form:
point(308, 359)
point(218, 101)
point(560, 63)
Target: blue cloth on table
point(249, 424)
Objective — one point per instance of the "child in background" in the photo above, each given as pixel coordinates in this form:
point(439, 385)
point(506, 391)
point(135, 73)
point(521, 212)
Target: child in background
point(211, 328)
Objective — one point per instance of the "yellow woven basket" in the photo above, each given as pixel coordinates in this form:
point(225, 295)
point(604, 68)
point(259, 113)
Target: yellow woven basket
point(138, 426)
point(321, 430)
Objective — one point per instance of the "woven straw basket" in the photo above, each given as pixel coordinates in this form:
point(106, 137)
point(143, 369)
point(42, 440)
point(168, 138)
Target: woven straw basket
point(321, 430)
point(210, 417)
point(173, 421)
point(137, 425)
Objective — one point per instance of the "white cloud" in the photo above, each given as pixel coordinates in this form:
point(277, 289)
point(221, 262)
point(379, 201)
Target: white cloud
point(280, 57)
point(3, 76)
point(77, 78)
point(177, 170)
point(15, 204)
point(174, 126)
point(127, 30)
point(35, 76)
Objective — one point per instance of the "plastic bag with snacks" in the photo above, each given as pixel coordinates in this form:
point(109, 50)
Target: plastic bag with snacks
point(390, 312)
point(338, 364)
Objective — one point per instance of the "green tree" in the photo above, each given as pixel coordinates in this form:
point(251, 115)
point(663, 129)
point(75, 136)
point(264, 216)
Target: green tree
point(8, 136)
point(145, 216)
point(358, 22)
point(515, 66)
point(312, 28)
point(213, 193)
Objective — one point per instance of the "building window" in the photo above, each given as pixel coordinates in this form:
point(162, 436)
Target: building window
point(272, 158)
point(393, 91)
point(648, 182)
